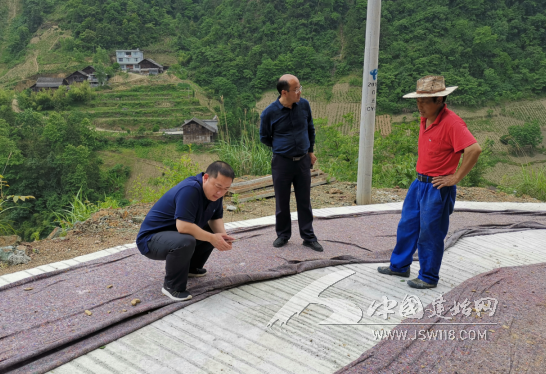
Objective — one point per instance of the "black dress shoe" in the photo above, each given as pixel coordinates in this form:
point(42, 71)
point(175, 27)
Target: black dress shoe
point(279, 242)
point(387, 270)
point(315, 246)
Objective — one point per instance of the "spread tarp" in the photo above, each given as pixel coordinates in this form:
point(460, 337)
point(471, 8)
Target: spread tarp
point(515, 343)
point(46, 325)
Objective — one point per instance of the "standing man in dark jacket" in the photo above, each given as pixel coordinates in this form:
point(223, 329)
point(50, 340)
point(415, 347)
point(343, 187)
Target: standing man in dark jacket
point(287, 127)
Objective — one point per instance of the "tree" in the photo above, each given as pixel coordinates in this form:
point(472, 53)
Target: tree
point(89, 37)
point(101, 74)
point(101, 57)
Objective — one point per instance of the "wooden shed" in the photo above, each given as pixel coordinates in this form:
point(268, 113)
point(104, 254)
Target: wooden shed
point(44, 83)
point(198, 131)
point(151, 67)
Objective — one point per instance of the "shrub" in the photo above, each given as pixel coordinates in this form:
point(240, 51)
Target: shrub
point(155, 128)
point(356, 82)
point(337, 153)
point(395, 155)
point(145, 142)
point(5, 226)
point(81, 93)
point(528, 134)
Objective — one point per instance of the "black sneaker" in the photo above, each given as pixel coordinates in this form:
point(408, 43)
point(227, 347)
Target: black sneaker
point(279, 242)
point(315, 246)
point(197, 272)
point(176, 295)
point(387, 270)
point(420, 284)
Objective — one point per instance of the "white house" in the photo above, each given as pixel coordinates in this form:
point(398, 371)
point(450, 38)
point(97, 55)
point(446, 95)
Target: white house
point(128, 59)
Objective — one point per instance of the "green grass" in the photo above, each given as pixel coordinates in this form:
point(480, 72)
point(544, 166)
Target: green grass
point(134, 123)
point(246, 157)
point(140, 113)
point(126, 95)
point(532, 182)
point(156, 103)
point(80, 210)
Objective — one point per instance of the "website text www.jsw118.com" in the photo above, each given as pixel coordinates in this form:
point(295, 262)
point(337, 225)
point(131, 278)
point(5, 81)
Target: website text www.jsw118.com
point(430, 335)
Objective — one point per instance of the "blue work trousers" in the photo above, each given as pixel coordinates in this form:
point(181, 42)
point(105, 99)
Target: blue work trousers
point(424, 225)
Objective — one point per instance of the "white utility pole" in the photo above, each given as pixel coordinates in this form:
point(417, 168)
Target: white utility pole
point(367, 112)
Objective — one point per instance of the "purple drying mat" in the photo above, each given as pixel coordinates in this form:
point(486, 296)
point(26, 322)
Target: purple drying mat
point(515, 344)
point(46, 326)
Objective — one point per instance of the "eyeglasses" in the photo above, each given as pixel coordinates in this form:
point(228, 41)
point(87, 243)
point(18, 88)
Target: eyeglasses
point(297, 90)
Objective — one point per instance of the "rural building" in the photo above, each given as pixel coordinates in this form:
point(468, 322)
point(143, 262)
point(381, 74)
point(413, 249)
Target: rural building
point(44, 83)
point(77, 77)
point(86, 74)
point(88, 70)
point(134, 61)
point(149, 66)
point(94, 81)
point(196, 131)
point(128, 59)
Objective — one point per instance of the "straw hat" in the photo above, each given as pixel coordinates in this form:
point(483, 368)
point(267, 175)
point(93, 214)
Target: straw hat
point(431, 86)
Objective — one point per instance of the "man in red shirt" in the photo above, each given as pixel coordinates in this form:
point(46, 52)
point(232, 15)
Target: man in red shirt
point(443, 138)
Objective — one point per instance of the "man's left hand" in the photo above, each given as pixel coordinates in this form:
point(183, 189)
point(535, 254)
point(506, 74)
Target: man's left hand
point(313, 158)
point(444, 181)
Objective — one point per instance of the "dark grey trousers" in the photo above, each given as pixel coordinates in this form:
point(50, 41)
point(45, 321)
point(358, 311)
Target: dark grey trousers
point(181, 252)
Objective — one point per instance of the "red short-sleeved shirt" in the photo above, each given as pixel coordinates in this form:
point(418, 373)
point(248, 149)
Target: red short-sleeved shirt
point(441, 145)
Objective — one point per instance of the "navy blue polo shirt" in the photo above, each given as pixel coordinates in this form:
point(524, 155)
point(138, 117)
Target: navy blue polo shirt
point(187, 202)
point(289, 131)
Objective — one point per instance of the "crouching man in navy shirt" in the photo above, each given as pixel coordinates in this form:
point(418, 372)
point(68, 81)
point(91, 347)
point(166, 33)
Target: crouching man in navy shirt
point(185, 225)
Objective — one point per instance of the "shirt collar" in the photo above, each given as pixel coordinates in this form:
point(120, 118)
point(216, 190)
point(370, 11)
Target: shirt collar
point(199, 178)
point(437, 120)
point(280, 106)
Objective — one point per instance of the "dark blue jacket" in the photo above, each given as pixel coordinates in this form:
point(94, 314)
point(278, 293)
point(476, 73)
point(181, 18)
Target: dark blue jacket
point(290, 132)
point(187, 202)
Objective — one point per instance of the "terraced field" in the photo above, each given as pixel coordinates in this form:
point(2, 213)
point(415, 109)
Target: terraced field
point(166, 105)
point(484, 123)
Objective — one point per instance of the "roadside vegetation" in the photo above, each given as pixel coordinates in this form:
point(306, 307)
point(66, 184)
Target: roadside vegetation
point(221, 60)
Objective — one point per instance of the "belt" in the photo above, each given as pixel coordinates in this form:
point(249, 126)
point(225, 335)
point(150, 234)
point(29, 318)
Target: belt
point(424, 178)
point(297, 158)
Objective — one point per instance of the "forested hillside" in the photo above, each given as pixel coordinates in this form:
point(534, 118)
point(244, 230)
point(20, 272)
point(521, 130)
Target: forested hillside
point(492, 49)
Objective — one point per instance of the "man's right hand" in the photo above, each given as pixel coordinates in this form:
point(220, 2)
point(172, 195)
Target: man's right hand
point(219, 242)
